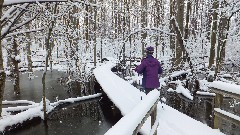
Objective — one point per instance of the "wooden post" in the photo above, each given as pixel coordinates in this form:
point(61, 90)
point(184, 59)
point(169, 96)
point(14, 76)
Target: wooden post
point(153, 113)
point(217, 104)
point(153, 118)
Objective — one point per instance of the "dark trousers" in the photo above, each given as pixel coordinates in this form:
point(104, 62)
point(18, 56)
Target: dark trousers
point(147, 90)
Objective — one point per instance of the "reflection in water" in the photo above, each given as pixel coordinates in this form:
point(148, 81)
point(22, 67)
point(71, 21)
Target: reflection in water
point(83, 118)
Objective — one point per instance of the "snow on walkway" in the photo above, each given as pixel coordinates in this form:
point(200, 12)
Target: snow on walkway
point(126, 97)
point(123, 94)
point(173, 122)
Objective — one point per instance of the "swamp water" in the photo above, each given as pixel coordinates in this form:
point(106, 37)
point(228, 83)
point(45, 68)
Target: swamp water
point(89, 117)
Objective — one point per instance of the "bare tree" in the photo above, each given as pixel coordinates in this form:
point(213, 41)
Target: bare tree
point(172, 38)
point(2, 73)
point(143, 23)
point(227, 11)
point(16, 61)
point(180, 20)
point(48, 50)
point(213, 32)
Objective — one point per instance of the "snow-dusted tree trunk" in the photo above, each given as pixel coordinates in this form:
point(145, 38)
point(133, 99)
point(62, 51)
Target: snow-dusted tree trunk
point(86, 26)
point(29, 53)
point(180, 19)
point(213, 32)
point(158, 19)
point(144, 23)
point(2, 73)
point(128, 27)
point(222, 27)
point(223, 32)
point(15, 62)
point(95, 36)
point(102, 27)
point(186, 29)
point(181, 44)
point(124, 29)
point(172, 38)
point(209, 20)
point(115, 16)
point(48, 51)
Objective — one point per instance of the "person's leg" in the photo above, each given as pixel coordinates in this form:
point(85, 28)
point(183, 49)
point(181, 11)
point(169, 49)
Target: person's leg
point(147, 90)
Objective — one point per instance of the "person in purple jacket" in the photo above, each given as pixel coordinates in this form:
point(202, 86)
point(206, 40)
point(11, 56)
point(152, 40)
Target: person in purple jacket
point(151, 68)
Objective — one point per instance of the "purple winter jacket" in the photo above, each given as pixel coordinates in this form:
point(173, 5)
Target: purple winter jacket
point(150, 67)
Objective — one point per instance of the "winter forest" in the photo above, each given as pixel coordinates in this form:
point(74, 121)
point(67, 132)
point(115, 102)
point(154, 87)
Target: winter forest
point(196, 41)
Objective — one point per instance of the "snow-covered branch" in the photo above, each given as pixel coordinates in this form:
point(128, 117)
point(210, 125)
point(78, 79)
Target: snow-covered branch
point(14, 2)
point(34, 110)
point(18, 102)
point(147, 29)
point(8, 13)
point(23, 23)
point(144, 29)
point(23, 32)
point(6, 29)
point(9, 28)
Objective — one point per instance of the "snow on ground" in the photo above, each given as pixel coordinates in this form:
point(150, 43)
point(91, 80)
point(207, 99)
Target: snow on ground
point(181, 89)
point(204, 84)
point(126, 97)
point(178, 73)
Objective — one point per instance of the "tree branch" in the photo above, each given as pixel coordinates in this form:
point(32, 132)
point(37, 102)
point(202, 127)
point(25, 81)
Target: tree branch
point(23, 32)
point(15, 2)
point(15, 18)
point(181, 43)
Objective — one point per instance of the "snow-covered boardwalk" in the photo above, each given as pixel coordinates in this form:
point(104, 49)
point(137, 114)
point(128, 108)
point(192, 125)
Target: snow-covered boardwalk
point(126, 97)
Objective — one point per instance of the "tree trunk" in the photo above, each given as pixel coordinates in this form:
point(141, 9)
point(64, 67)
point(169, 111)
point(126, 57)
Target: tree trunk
point(15, 68)
point(29, 53)
point(48, 50)
point(213, 33)
point(209, 20)
point(180, 19)
point(28, 49)
point(2, 73)
point(223, 28)
point(172, 38)
point(2, 86)
point(186, 29)
point(95, 36)
point(158, 18)
point(143, 24)
point(181, 44)
point(86, 26)
point(29, 57)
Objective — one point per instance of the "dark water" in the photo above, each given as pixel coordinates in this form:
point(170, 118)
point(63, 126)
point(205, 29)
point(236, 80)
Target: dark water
point(32, 89)
point(83, 118)
point(90, 117)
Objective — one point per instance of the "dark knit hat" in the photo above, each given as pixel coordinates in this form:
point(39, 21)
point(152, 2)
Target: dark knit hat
point(149, 50)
